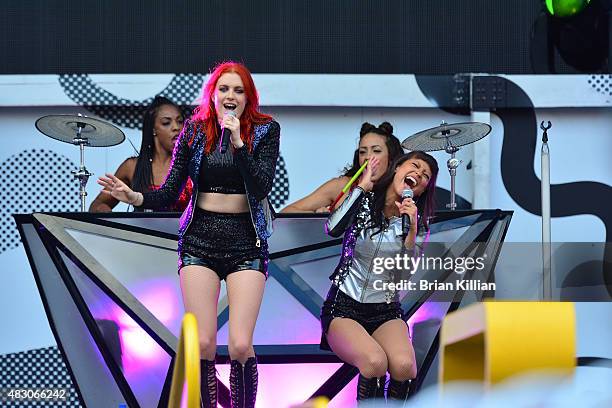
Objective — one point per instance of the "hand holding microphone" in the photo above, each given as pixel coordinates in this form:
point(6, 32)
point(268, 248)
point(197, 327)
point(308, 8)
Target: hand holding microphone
point(408, 210)
point(230, 131)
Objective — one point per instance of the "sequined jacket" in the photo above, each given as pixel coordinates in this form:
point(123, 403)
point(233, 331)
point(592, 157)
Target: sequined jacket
point(257, 170)
point(356, 273)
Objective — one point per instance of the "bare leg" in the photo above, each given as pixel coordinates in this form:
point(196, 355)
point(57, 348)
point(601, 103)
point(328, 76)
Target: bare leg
point(393, 337)
point(200, 287)
point(352, 343)
point(245, 291)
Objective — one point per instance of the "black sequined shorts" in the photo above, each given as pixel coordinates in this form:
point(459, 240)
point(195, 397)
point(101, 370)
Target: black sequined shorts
point(369, 315)
point(223, 242)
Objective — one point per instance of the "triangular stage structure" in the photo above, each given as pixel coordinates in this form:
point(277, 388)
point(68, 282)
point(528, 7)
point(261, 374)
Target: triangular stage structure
point(110, 289)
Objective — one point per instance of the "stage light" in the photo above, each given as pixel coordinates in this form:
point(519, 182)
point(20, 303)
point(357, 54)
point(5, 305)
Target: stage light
point(572, 34)
point(566, 8)
point(582, 39)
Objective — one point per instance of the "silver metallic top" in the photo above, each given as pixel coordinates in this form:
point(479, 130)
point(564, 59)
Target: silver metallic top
point(361, 272)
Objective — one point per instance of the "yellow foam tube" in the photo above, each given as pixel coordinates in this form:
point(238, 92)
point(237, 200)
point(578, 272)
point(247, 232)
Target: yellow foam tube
point(186, 365)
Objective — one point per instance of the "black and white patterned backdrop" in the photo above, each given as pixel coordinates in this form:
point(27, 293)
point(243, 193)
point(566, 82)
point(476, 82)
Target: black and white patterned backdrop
point(280, 190)
point(182, 89)
point(601, 83)
point(34, 180)
point(41, 368)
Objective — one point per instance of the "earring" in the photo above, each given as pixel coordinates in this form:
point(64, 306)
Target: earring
point(154, 133)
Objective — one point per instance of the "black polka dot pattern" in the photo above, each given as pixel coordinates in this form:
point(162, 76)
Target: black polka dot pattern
point(40, 368)
point(601, 83)
point(280, 189)
point(34, 180)
point(183, 89)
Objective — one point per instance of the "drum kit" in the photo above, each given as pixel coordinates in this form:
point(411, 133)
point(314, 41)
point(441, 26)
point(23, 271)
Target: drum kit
point(84, 131)
point(80, 131)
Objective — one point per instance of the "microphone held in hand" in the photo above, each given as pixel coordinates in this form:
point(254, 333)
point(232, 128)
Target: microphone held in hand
point(226, 135)
point(407, 193)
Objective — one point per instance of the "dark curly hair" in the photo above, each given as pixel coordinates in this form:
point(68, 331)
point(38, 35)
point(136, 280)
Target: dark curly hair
point(393, 145)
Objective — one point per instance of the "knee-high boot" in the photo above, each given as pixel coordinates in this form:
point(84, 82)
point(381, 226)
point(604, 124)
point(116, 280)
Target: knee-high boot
point(243, 383)
point(398, 390)
point(208, 384)
point(368, 388)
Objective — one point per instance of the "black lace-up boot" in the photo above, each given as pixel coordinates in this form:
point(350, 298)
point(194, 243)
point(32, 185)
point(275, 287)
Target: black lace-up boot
point(243, 383)
point(398, 390)
point(208, 384)
point(368, 388)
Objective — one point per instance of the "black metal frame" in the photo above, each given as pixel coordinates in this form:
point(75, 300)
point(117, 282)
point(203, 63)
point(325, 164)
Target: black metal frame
point(279, 268)
point(25, 219)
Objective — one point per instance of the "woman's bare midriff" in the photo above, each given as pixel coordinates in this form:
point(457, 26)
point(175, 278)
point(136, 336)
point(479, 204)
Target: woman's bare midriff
point(223, 203)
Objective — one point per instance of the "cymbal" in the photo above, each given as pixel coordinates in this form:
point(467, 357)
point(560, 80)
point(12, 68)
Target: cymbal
point(439, 137)
point(64, 128)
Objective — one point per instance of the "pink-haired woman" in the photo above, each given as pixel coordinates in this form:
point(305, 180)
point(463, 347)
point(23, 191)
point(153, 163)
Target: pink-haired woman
point(223, 232)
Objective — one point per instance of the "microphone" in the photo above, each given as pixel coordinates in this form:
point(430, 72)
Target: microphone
point(225, 135)
point(407, 193)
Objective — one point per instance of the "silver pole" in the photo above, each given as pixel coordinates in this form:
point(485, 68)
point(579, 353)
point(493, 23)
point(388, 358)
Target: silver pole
point(546, 233)
point(81, 174)
point(82, 192)
point(451, 164)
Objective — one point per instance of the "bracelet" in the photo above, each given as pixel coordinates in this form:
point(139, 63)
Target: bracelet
point(136, 200)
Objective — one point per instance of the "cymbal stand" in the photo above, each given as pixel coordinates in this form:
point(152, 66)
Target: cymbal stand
point(452, 165)
point(81, 174)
